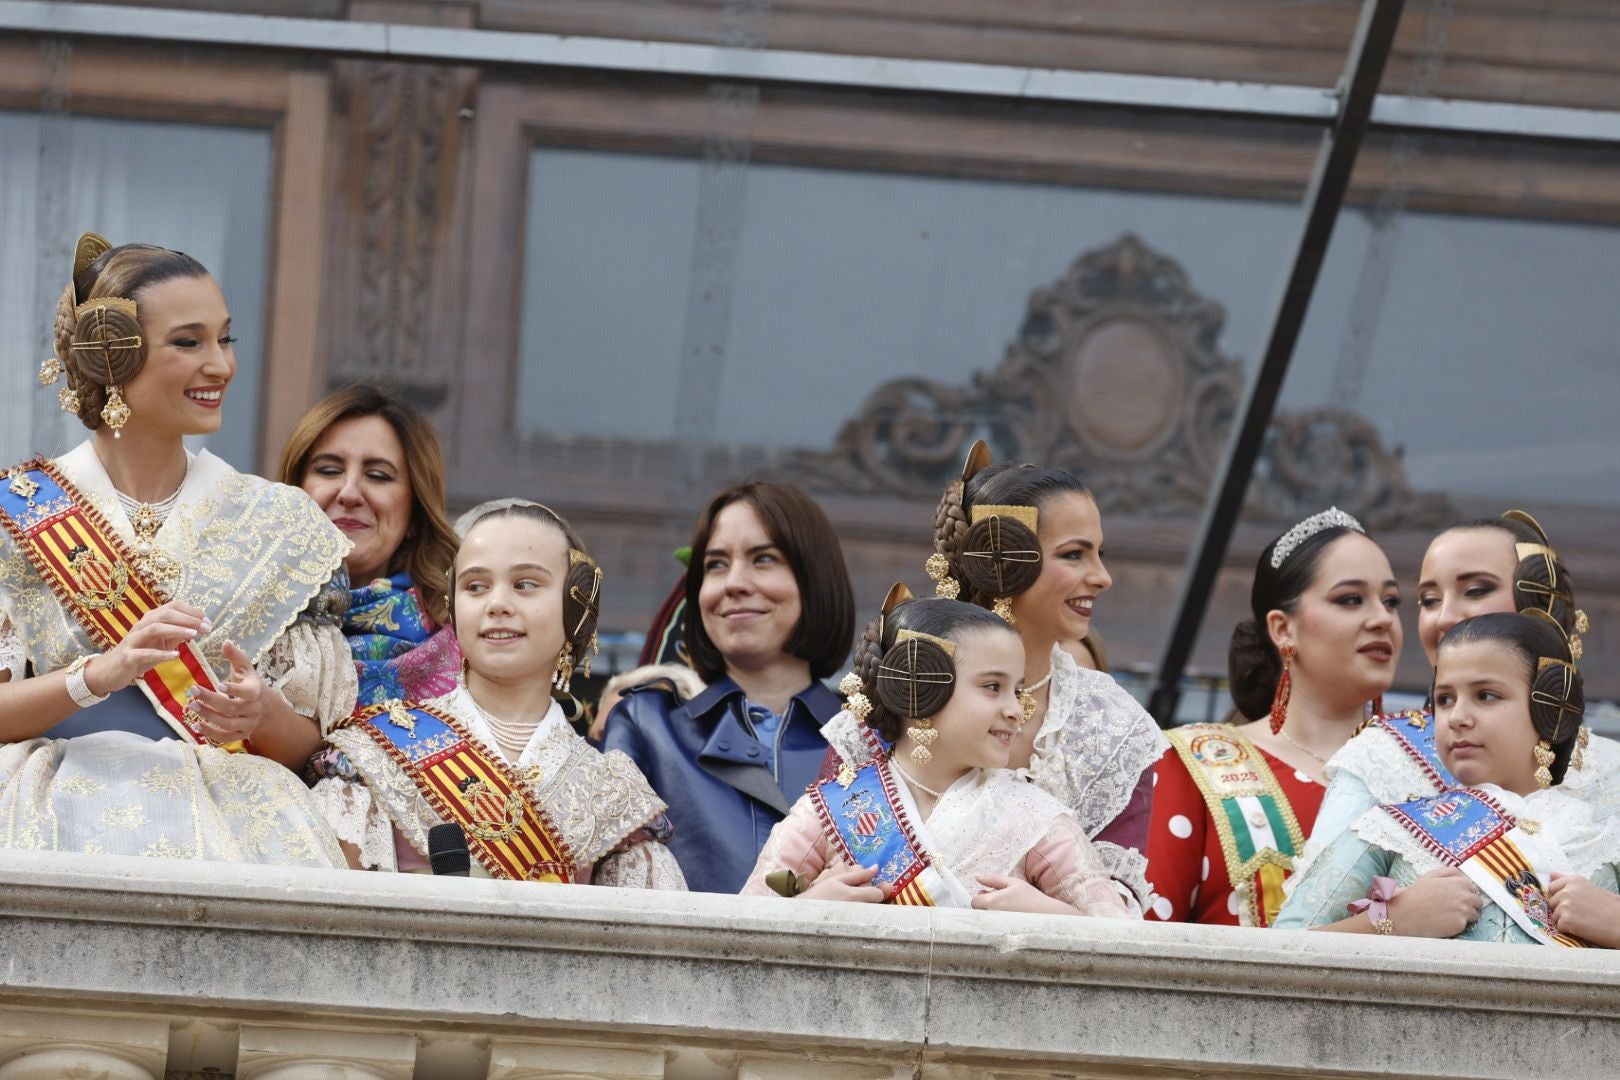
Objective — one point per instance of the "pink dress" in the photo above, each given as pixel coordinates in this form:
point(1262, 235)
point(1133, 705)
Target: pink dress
point(989, 822)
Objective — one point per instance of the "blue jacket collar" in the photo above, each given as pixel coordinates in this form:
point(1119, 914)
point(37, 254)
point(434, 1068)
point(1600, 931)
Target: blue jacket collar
point(815, 701)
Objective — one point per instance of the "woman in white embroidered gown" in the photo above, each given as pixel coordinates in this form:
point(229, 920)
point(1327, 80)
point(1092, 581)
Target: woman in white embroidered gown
point(1501, 564)
point(1508, 704)
point(939, 684)
point(1088, 742)
point(248, 572)
point(523, 603)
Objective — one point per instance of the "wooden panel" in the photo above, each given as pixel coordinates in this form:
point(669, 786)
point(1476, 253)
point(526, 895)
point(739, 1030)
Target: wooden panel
point(292, 346)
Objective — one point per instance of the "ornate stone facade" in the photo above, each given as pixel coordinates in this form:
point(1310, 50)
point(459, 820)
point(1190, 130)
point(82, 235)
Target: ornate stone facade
point(1117, 375)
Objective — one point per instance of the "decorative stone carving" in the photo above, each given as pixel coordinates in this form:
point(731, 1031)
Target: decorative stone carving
point(405, 123)
point(1117, 375)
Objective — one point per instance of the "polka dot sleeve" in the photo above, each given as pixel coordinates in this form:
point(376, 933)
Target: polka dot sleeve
point(1177, 839)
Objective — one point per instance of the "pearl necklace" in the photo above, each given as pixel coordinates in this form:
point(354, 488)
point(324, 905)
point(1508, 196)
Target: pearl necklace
point(913, 781)
point(513, 738)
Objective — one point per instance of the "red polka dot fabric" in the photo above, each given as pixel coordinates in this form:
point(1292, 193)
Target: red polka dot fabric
point(1185, 861)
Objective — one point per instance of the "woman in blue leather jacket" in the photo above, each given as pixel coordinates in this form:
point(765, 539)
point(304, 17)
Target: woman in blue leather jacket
point(776, 615)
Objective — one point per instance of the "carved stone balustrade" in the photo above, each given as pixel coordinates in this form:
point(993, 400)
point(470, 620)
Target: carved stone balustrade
point(127, 968)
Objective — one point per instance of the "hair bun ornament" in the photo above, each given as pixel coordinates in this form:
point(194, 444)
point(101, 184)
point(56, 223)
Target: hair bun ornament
point(1001, 555)
point(917, 675)
point(1539, 587)
point(951, 524)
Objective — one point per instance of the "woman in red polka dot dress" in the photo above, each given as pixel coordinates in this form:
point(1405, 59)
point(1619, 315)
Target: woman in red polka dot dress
point(1233, 804)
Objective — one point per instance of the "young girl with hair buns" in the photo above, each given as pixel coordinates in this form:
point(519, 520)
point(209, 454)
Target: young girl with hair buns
point(1476, 861)
point(1234, 803)
point(1027, 542)
point(495, 756)
point(939, 819)
point(169, 643)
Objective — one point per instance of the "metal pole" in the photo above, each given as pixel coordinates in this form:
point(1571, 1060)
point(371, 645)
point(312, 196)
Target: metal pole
point(1323, 198)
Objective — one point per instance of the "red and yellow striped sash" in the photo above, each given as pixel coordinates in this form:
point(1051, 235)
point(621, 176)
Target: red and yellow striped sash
point(507, 829)
point(90, 571)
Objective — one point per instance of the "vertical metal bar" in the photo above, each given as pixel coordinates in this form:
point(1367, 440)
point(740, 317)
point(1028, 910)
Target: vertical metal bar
point(1364, 69)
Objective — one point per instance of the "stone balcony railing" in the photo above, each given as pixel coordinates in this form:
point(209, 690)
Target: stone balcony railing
point(130, 969)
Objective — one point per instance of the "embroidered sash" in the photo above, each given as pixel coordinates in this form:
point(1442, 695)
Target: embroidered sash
point(862, 815)
point(508, 831)
point(1259, 834)
point(1469, 830)
point(88, 568)
point(1414, 732)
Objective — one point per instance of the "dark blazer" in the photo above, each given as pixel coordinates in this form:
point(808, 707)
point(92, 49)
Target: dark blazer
point(703, 759)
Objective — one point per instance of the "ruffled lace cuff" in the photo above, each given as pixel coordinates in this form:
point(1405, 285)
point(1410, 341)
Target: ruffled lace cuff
point(356, 819)
point(313, 668)
point(643, 865)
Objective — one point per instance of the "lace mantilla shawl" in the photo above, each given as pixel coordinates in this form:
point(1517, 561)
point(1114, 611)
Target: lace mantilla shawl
point(595, 800)
point(1094, 744)
point(250, 553)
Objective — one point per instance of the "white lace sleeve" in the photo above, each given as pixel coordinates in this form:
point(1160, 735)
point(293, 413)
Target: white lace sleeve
point(11, 650)
point(355, 817)
point(1128, 868)
point(313, 668)
point(645, 865)
point(1094, 745)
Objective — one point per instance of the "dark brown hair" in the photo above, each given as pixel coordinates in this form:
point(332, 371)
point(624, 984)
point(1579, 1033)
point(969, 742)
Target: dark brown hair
point(1253, 664)
point(430, 543)
point(1534, 639)
point(1539, 580)
point(125, 272)
point(979, 579)
point(894, 701)
point(796, 525)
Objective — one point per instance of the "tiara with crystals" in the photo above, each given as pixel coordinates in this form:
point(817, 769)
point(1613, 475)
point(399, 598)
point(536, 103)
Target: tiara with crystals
point(1331, 518)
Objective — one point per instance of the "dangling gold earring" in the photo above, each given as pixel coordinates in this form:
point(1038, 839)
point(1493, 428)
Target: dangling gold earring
point(590, 650)
point(922, 735)
point(1544, 758)
point(1582, 739)
point(115, 414)
point(1003, 607)
point(565, 667)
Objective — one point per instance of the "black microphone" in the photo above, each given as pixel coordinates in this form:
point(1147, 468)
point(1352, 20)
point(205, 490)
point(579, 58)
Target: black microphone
point(447, 851)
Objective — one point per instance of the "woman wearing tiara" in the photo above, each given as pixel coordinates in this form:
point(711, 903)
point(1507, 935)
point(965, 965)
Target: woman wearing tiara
point(1027, 542)
point(1501, 564)
point(922, 809)
point(1506, 855)
point(496, 756)
point(1234, 803)
point(168, 626)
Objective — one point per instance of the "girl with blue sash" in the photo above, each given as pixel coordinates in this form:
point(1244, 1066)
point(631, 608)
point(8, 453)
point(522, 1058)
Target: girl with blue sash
point(1478, 861)
point(922, 808)
point(1501, 564)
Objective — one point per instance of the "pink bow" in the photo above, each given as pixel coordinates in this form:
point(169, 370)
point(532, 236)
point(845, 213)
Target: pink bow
point(1381, 892)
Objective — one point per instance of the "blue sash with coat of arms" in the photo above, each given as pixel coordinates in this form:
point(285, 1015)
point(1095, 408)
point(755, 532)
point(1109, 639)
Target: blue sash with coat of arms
point(1469, 830)
point(864, 820)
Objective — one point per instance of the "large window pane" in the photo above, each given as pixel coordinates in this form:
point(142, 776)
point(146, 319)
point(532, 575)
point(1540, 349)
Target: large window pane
point(198, 188)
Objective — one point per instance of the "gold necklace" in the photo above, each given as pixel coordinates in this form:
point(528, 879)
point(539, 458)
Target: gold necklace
point(1297, 746)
